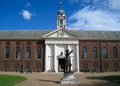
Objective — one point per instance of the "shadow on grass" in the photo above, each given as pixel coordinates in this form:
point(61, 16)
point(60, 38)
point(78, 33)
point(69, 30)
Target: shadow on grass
point(100, 84)
point(107, 83)
point(95, 78)
point(83, 84)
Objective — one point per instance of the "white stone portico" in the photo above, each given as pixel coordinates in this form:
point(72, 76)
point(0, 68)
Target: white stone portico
point(56, 42)
point(55, 46)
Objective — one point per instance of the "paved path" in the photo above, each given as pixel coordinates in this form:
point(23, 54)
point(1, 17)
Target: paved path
point(45, 79)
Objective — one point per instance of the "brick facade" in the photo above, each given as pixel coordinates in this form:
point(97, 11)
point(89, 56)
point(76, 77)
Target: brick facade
point(90, 64)
point(13, 64)
point(37, 65)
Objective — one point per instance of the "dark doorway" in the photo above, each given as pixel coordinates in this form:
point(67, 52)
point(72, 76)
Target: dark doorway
point(61, 64)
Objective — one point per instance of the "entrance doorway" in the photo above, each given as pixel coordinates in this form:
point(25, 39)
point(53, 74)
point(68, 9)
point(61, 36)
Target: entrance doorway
point(61, 64)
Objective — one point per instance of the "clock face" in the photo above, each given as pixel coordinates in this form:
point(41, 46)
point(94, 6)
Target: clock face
point(61, 33)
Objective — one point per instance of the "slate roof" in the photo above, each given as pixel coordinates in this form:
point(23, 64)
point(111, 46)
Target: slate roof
point(86, 35)
point(102, 35)
point(23, 33)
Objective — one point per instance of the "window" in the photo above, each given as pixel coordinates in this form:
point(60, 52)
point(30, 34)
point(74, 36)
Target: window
point(28, 50)
point(17, 53)
point(115, 53)
point(38, 53)
point(7, 53)
point(61, 21)
point(95, 53)
point(104, 53)
point(84, 53)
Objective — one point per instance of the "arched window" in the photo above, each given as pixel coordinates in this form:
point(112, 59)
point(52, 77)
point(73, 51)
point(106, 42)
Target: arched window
point(95, 54)
point(61, 21)
point(28, 52)
point(17, 53)
point(7, 53)
point(38, 53)
point(84, 53)
point(104, 53)
point(115, 53)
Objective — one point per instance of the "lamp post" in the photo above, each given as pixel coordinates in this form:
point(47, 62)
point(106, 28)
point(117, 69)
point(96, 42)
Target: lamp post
point(22, 59)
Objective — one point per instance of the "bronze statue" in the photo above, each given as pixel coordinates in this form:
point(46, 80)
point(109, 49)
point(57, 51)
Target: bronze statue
point(67, 61)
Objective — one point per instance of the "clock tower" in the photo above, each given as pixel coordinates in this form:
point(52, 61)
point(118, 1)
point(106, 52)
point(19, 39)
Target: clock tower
point(61, 18)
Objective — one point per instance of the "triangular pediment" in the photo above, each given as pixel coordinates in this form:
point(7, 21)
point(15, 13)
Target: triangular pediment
point(60, 33)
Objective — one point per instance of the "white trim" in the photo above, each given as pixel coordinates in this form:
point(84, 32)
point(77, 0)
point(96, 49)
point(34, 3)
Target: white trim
point(55, 41)
point(56, 31)
point(46, 35)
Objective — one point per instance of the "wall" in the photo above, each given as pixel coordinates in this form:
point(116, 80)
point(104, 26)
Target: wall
point(13, 64)
point(91, 64)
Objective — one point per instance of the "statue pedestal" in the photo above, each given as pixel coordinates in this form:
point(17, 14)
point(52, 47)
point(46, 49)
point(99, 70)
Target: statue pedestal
point(69, 79)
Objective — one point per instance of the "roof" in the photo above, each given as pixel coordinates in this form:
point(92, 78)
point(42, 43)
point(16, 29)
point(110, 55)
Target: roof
point(61, 11)
point(101, 35)
point(22, 34)
point(35, 34)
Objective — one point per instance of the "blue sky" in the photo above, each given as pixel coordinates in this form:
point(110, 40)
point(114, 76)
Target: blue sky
point(41, 14)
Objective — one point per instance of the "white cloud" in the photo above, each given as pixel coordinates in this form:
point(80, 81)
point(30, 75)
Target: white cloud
point(110, 4)
point(96, 19)
point(26, 14)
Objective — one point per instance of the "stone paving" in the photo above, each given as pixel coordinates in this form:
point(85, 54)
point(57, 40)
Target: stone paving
point(51, 79)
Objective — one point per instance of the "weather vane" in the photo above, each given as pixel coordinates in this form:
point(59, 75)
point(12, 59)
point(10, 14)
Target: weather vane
point(61, 4)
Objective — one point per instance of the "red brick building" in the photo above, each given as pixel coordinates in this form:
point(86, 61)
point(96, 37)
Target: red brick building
point(44, 50)
point(27, 48)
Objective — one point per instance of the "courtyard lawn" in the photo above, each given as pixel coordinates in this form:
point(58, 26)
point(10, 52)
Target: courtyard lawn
point(10, 80)
point(113, 78)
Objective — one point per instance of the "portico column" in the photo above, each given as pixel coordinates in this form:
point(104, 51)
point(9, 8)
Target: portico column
point(55, 59)
point(78, 63)
point(46, 58)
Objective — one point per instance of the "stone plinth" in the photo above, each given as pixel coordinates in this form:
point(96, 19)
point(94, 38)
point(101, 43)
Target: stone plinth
point(69, 79)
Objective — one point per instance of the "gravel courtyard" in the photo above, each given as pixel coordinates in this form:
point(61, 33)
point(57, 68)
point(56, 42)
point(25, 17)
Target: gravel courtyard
point(51, 79)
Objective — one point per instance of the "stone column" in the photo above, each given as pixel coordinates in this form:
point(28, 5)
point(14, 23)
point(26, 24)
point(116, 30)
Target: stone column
point(46, 58)
point(55, 59)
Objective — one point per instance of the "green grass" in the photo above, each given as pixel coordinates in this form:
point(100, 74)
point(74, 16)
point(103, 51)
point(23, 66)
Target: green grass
point(10, 80)
point(113, 78)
